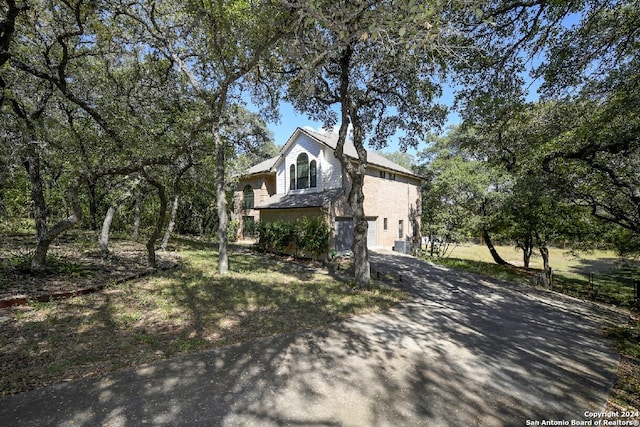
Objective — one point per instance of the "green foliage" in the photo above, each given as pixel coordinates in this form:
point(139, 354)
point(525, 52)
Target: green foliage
point(275, 236)
point(306, 235)
point(232, 230)
point(312, 235)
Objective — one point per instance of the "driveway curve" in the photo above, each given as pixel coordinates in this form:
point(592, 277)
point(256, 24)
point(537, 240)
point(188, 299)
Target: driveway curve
point(462, 351)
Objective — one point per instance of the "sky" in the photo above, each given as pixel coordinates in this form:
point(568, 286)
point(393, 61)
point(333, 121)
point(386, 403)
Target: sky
point(290, 119)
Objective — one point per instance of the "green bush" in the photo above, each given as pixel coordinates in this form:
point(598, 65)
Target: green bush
point(275, 236)
point(232, 230)
point(307, 235)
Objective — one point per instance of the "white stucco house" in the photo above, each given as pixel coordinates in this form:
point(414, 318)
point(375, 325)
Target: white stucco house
point(306, 179)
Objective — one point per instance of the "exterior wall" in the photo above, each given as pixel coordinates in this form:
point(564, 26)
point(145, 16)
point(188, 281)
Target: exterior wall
point(290, 214)
point(303, 144)
point(332, 170)
point(396, 200)
point(329, 174)
point(264, 186)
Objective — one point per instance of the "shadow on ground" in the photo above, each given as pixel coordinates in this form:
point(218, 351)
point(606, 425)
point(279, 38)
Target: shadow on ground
point(461, 351)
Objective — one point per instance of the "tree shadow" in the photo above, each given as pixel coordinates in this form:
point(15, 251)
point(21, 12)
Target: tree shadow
point(462, 351)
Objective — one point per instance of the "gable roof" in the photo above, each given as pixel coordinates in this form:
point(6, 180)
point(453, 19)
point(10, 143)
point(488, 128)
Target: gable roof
point(264, 166)
point(331, 141)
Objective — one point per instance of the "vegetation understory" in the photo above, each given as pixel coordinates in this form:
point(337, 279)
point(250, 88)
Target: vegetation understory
point(157, 315)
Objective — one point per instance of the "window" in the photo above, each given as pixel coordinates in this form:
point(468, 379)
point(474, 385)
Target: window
point(313, 172)
point(385, 224)
point(292, 177)
point(401, 229)
point(302, 164)
point(248, 197)
point(392, 176)
point(382, 174)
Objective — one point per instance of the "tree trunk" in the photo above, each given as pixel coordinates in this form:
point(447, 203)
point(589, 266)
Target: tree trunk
point(93, 205)
point(162, 213)
point(362, 268)
point(356, 172)
point(103, 241)
point(172, 222)
point(223, 218)
point(32, 165)
point(136, 218)
point(494, 253)
point(4, 210)
point(175, 204)
point(544, 252)
point(40, 255)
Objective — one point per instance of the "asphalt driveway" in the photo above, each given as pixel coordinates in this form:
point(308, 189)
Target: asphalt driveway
point(463, 351)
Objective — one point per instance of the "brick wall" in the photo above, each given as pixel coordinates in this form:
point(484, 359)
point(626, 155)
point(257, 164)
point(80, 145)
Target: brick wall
point(396, 200)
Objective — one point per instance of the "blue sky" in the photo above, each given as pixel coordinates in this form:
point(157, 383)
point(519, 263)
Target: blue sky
point(290, 119)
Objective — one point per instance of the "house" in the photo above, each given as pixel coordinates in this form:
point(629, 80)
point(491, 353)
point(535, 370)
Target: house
point(306, 179)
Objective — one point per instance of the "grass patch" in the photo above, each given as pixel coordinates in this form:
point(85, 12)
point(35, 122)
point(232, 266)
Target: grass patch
point(183, 310)
point(625, 394)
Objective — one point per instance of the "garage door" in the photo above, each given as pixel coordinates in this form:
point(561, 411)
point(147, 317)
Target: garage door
point(344, 234)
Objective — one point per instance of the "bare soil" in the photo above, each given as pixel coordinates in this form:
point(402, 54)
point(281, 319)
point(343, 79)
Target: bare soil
point(72, 269)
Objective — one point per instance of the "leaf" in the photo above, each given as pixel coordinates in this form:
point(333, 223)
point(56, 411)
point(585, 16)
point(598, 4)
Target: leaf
point(402, 31)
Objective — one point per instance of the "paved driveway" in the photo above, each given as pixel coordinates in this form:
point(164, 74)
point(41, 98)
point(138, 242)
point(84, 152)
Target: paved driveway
point(462, 352)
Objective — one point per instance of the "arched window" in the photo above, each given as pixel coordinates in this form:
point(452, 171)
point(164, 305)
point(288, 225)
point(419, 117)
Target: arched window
point(302, 164)
point(313, 174)
point(248, 197)
point(292, 177)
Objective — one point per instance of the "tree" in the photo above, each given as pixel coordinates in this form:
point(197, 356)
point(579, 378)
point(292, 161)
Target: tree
point(216, 45)
point(379, 64)
point(585, 130)
point(462, 195)
point(67, 82)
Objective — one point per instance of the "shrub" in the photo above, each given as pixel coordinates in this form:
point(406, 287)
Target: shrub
point(308, 235)
point(232, 230)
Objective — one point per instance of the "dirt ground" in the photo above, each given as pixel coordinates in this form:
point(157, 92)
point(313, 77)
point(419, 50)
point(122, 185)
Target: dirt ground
point(72, 268)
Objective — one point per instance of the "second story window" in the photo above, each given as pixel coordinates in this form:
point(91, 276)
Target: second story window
point(302, 165)
point(248, 198)
point(292, 177)
point(313, 174)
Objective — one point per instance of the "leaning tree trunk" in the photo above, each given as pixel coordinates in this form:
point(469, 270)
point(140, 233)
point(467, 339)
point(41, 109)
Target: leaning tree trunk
point(175, 204)
point(546, 268)
point(162, 213)
point(494, 253)
point(103, 241)
point(172, 222)
point(40, 255)
point(223, 218)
